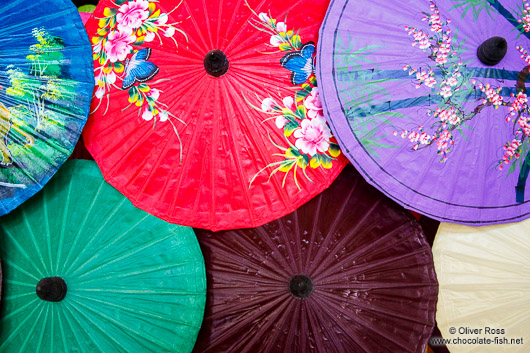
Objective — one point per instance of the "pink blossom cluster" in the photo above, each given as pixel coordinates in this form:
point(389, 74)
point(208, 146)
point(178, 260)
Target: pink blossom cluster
point(443, 144)
point(444, 140)
point(419, 36)
point(492, 94)
point(434, 19)
point(446, 116)
point(511, 150)
point(445, 91)
point(518, 109)
point(524, 54)
point(425, 77)
point(518, 106)
point(447, 86)
point(444, 50)
point(526, 17)
point(418, 138)
point(453, 81)
point(519, 103)
point(524, 123)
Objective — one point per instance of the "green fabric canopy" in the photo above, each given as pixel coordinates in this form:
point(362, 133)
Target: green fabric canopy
point(131, 282)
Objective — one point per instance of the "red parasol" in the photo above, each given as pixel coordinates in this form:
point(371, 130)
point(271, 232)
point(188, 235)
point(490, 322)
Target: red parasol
point(350, 271)
point(207, 113)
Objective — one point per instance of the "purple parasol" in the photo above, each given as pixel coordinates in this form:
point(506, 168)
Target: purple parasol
point(428, 100)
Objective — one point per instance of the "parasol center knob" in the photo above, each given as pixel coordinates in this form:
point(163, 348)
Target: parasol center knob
point(216, 63)
point(301, 286)
point(492, 51)
point(51, 289)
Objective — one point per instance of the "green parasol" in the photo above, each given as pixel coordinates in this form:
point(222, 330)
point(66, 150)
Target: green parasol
point(86, 271)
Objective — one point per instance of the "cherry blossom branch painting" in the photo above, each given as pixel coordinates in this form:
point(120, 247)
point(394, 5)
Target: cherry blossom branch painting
point(450, 79)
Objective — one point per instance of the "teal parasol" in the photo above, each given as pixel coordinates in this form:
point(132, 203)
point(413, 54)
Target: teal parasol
point(86, 271)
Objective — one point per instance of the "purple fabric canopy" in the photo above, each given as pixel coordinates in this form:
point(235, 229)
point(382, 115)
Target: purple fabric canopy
point(425, 120)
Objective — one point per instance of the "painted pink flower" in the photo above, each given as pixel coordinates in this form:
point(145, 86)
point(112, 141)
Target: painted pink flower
point(119, 45)
point(452, 81)
point(99, 79)
point(524, 123)
point(102, 80)
point(447, 115)
point(511, 150)
point(313, 104)
point(312, 136)
point(434, 18)
point(492, 95)
point(163, 115)
point(446, 92)
point(444, 142)
point(110, 77)
point(147, 114)
point(149, 36)
point(265, 18)
point(425, 77)
point(281, 27)
point(132, 14)
point(525, 21)
point(524, 54)
point(100, 92)
point(169, 31)
point(422, 39)
point(153, 93)
point(276, 40)
point(520, 101)
point(97, 47)
point(161, 20)
point(288, 102)
point(280, 121)
point(268, 104)
point(413, 136)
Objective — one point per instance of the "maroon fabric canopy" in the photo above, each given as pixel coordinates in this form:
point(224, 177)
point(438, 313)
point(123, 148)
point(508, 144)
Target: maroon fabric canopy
point(350, 271)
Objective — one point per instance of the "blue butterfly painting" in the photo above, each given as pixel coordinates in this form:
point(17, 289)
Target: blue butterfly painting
point(138, 69)
point(300, 63)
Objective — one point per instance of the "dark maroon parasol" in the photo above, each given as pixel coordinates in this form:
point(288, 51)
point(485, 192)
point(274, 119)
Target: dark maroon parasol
point(350, 271)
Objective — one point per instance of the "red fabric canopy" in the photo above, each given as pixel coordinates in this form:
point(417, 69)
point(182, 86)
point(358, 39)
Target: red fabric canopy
point(207, 113)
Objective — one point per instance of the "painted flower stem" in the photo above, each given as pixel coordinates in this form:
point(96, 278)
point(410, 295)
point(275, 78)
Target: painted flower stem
point(464, 119)
point(521, 181)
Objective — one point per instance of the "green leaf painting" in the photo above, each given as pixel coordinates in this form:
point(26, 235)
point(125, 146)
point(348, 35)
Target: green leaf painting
point(358, 92)
point(476, 6)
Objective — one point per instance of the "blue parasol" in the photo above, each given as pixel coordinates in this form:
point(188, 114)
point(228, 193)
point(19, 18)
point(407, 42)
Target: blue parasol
point(46, 81)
